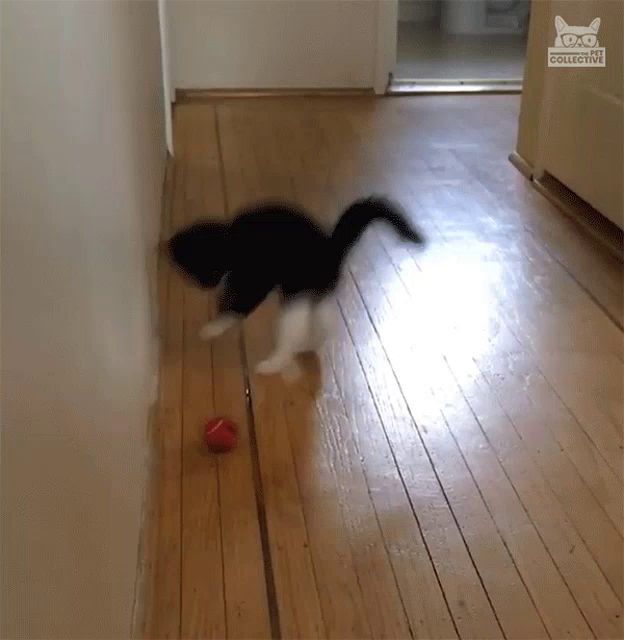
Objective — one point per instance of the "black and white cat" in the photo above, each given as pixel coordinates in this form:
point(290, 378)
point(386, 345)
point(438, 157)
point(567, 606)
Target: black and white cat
point(278, 246)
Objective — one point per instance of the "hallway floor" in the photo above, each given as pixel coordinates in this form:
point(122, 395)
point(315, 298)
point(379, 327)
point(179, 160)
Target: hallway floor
point(453, 465)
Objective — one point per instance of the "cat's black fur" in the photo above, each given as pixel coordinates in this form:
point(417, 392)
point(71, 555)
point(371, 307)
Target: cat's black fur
point(276, 246)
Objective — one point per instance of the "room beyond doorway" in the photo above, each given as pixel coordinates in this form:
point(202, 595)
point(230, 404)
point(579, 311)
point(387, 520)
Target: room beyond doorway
point(461, 44)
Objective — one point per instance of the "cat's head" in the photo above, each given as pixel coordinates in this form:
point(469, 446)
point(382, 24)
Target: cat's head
point(570, 37)
point(201, 252)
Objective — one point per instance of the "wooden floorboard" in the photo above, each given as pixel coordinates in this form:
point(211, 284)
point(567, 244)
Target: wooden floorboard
point(163, 606)
point(223, 577)
point(297, 554)
point(451, 465)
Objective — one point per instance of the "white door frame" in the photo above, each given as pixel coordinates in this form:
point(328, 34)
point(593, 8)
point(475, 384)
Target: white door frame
point(166, 72)
point(386, 48)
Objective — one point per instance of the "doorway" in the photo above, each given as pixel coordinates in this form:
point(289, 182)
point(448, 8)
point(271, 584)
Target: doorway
point(460, 45)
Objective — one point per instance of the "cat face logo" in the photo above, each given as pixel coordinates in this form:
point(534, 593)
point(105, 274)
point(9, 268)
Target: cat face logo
point(576, 46)
point(568, 36)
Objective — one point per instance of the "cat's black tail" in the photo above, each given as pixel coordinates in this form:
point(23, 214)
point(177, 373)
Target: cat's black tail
point(361, 213)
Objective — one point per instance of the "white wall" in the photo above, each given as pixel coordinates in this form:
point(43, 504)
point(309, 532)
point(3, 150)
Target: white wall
point(82, 157)
point(273, 43)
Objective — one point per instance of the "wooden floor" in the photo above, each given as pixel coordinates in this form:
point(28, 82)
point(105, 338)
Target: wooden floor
point(453, 465)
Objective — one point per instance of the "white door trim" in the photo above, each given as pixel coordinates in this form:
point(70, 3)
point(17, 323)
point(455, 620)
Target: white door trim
point(166, 72)
point(386, 48)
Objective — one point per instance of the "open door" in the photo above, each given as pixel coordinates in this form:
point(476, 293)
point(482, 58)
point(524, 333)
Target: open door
point(582, 115)
point(460, 46)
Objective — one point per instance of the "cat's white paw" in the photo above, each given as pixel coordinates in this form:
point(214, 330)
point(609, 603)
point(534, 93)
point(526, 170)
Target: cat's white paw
point(290, 371)
point(269, 367)
point(216, 327)
point(210, 331)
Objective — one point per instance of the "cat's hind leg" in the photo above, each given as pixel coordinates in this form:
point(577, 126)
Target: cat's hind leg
point(324, 320)
point(292, 337)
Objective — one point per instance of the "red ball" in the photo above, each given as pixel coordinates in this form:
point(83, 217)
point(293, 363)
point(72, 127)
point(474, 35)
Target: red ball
point(220, 435)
